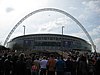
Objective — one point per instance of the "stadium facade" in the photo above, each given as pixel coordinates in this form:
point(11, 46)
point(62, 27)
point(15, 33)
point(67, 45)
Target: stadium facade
point(49, 42)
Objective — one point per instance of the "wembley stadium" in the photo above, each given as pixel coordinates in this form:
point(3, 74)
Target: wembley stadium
point(49, 42)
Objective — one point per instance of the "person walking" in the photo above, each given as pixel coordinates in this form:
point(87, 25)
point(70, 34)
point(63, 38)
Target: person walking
point(8, 66)
point(21, 65)
point(51, 65)
point(43, 67)
point(97, 66)
point(68, 70)
point(37, 63)
point(60, 66)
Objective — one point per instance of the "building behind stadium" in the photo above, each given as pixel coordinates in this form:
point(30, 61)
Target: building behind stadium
point(49, 42)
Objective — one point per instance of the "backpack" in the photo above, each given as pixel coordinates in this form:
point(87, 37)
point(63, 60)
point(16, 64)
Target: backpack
point(34, 68)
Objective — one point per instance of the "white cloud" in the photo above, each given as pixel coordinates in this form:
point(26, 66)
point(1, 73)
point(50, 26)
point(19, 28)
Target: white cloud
point(9, 9)
point(17, 9)
point(93, 5)
point(95, 31)
point(48, 26)
point(72, 8)
point(83, 17)
point(52, 25)
point(79, 34)
point(97, 42)
point(91, 8)
point(95, 34)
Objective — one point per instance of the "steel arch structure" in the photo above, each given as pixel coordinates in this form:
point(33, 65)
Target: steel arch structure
point(56, 10)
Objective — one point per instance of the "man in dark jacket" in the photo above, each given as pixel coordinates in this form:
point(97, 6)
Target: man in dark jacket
point(8, 66)
point(68, 66)
point(60, 66)
point(97, 67)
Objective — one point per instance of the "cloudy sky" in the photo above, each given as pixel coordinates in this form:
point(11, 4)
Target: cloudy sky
point(87, 12)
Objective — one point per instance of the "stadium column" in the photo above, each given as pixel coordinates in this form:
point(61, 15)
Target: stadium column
point(24, 28)
point(62, 41)
point(24, 39)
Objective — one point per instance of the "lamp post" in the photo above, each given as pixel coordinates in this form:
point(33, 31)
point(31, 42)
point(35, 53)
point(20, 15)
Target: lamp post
point(24, 29)
point(23, 39)
point(62, 40)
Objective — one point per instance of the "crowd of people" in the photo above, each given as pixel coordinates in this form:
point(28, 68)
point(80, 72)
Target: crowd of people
point(74, 64)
